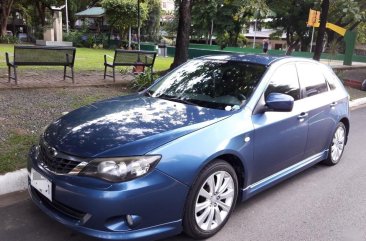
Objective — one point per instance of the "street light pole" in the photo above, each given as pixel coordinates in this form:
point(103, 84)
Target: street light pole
point(212, 25)
point(255, 32)
point(138, 24)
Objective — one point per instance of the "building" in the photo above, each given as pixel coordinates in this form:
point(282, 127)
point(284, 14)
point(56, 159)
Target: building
point(257, 32)
point(167, 6)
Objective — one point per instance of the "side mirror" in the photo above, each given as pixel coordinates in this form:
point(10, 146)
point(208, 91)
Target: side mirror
point(280, 102)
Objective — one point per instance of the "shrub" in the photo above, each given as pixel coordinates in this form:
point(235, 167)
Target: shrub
point(242, 40)
point(143, 80)
point(83, 38)
point(223, 40)
point(9, 39)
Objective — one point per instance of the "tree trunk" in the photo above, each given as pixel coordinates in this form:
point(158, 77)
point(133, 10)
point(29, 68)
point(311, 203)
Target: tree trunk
point(6, 6)
point(323, 21)
point(292, 46)
point(41, 13)
point(184, 25)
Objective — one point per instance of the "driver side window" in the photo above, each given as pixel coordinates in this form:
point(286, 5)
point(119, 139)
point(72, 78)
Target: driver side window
point(284, 81)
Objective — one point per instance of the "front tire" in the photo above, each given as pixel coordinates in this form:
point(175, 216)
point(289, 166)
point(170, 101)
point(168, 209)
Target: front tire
point(337, 145)
point(211, 200)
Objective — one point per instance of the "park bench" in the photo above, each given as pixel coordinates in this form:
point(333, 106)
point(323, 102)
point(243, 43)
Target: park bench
point(41, 56)
point(137, 58)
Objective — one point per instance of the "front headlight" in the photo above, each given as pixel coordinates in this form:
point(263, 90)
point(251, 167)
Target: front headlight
point(120, 169)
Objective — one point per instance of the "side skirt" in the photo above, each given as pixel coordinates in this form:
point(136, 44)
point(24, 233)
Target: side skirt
point(282, 175)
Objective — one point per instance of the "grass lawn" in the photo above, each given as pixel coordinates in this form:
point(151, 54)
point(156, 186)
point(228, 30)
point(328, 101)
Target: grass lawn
point(22, 121)
point(14, 150)
point(87, 59)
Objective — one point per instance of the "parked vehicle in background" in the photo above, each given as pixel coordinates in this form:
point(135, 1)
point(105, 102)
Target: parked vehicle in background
point(23, 37)
point(178, 156)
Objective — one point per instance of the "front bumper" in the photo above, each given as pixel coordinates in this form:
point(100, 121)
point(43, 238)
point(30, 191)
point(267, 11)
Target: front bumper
point(97, 208)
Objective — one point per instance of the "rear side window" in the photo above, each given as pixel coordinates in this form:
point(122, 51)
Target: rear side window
point(284, 81)
point(312, 79)
point(331, 77)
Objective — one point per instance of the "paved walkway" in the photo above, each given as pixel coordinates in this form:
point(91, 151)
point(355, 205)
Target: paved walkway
point(46, 78)
point(338, 65)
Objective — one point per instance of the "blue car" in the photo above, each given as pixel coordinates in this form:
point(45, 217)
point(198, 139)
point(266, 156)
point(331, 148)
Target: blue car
point(179, 155)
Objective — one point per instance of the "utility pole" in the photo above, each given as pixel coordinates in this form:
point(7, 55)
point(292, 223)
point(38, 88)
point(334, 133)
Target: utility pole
point(67, 17)
point(255, 32)
point(138, 24)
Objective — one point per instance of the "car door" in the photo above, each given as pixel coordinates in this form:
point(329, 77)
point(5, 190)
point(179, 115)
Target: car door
point(320, 106)
point(279, 137)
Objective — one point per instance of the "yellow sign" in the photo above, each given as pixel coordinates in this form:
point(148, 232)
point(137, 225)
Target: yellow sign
point(314, 17)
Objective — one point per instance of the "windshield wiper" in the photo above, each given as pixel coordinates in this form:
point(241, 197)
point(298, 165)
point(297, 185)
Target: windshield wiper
point(148, 93)
point(176, 99)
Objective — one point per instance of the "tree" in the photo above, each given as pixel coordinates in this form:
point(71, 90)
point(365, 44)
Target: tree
point(122, 14)
point(203, 17)
point(290, 17)
point(6, 7)
point(361, 36)
point(75, 6)
point(151, 26)
point(184, 25)
point(234, 14)
point(347, 14)
point(321, 31)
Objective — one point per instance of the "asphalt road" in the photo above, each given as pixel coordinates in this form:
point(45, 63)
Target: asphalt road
point(322, 203)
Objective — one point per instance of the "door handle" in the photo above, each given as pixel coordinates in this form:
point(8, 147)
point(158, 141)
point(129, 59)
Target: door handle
point(334, 103)
point(302, 116)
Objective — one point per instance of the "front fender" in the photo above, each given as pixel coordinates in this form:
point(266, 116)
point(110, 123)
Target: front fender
point(184, 158)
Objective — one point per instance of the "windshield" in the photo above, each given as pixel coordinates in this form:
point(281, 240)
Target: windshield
point(210, 83)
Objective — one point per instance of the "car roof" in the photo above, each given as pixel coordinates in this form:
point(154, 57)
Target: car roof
point(262, 59)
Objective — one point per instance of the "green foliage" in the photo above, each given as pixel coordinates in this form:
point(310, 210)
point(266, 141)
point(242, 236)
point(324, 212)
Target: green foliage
point(333, 49)
point(7, 39)
point(203, 13)
point(171, 27)
point(290, 18)
point(346, 12)
point(83, 38)
point(167, 41)
point(223, 40)
point(361, 33)
point(242, 40)
point(232, 15)
point(14, 151)
point(275, 35)
point(151, 27)
point(121, 14)
point(143, 80)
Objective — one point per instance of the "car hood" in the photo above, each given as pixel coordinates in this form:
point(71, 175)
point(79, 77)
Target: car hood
point(129, 125)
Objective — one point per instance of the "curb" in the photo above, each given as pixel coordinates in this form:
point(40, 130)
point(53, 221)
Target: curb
point(13, 181)
point(18, 181)
point(354, 104)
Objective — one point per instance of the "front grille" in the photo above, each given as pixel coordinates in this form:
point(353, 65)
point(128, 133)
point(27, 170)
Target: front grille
point(70, 212)
point(54, 163)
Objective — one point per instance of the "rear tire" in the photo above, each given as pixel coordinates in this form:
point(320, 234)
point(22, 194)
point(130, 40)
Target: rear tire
point(211, 200)
point(337, 145)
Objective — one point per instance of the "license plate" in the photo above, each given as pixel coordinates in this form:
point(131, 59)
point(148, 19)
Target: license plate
point(42, 184)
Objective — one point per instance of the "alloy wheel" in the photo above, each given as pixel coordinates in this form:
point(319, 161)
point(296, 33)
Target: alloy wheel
point(338, 143)
point(214, 200)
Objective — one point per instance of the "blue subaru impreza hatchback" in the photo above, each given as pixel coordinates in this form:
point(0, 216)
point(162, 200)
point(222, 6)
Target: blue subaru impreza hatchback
point(179, 155)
